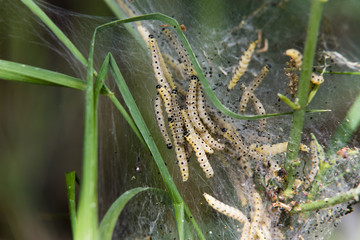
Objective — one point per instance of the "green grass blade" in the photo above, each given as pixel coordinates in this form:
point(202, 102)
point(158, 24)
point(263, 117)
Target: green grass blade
point(346, 129)
point(70, 188)
point(107, 224)
point(99, 84)
point(303, 91)
point(20, 72)
point(58, 33)
point(180, 219)
point(87, 218)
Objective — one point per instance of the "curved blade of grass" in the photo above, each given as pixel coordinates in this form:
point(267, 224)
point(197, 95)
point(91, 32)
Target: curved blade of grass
point(58, 33)
point(70, 189)
point(20, 72)
point(303, 91)
point(346, 129)
point(107, 224)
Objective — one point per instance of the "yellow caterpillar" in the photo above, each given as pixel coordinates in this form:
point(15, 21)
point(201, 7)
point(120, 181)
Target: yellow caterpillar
point(191, 105)
point(296, 57)
point(314, 165)
point(249, 91)
point(156, 63)
point(161, 122)
point(200, 154)
point(191, 130)
point(225, 209)
point(204, 116)
point(176, 116)
point(185, 62)
point(243, 64)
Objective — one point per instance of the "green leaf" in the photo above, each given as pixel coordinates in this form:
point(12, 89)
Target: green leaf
point(107, 224)
point(20, 72)
point(70, 189)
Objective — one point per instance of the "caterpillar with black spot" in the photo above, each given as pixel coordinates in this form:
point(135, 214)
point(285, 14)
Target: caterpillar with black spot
point(314, 165)
point(179, 148)
point(249, 91)
point(225, 209)
point(235, 140)
point(204, 116)
point(193, 114)
point(191, 105)
point(295, 56)
point(243, 64)
point(165, 96)
point(185, 62)
point(178, 121)
point(316, 79)
point(190, 129)
point(182, 161)
point(200, 154)
point(156, 63)
point(161, 122)
point(260, 110)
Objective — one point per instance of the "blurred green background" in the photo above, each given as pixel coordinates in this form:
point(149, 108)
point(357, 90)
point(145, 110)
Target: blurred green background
point(41, 129)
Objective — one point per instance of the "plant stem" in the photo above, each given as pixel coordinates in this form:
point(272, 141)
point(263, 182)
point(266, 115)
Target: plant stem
point(327, 202)
point(302, 94)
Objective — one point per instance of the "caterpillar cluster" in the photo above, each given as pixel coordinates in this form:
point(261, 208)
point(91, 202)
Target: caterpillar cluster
point(189, 125)
point(192, 126)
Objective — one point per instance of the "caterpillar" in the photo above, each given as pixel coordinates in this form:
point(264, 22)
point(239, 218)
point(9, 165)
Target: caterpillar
point(235, 140)
point(316, 79)
point(259, 78)
point(161, 122)
point(185, 62)
point(156, 62)
point(248, 91)
point(314, 164)
point(200, 154)
point(182, 161)
point(191, 130)
point(260, 110)
point(204, 116)
point(226, 209)
point(245, 234)
point(178, 121)
point(274, 149)
point(165, 95)
point(191, 105)
point(241, 149)
point(296, 57)
point(243, 64)
point(256, 221)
